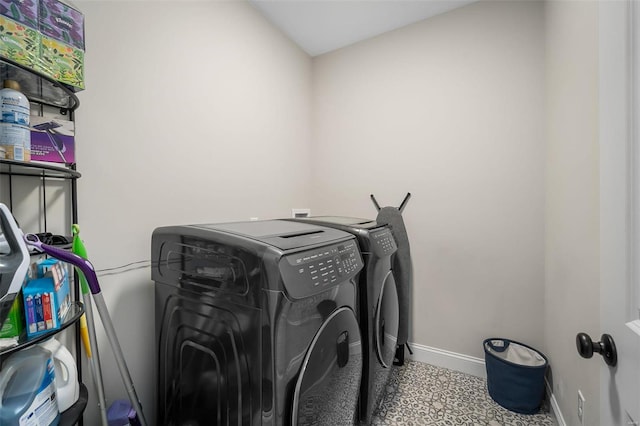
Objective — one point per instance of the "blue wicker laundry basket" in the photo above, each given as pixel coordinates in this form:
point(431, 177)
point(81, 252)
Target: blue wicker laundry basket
point(515, 375)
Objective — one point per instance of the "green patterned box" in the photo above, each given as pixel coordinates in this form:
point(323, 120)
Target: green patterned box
point(62, 62)
point(19, 43)
point(14, 324)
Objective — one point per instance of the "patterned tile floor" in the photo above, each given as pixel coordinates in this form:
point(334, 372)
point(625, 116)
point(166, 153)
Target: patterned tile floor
point(420, 394)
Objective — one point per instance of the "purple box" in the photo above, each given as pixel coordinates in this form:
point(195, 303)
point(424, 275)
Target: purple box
point(22, 11)
point(62, 22)
point(52, 140)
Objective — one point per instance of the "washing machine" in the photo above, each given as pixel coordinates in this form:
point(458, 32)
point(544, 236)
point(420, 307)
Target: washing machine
point(256, 324)
point(378, 304)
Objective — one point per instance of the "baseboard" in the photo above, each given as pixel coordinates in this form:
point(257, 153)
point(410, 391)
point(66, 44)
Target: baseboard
point(555, 408)
point(469, 365)
point(447, 359)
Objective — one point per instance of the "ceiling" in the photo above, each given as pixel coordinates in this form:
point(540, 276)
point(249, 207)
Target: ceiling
point(320, 26)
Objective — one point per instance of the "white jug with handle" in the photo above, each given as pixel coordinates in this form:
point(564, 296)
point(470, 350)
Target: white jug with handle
point(67, 386)
point(27, 389)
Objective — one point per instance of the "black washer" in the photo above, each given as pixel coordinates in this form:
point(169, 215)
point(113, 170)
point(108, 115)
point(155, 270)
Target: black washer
point(256, 324)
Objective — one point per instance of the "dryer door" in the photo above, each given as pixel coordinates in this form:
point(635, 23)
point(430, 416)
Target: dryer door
point(386, 321)
point(327, 388)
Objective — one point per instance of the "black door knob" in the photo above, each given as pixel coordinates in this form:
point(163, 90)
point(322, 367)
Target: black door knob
point(605, 347)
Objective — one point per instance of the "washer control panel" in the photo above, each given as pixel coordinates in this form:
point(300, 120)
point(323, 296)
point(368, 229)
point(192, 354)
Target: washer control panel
point(383, 243)
point(313, 271)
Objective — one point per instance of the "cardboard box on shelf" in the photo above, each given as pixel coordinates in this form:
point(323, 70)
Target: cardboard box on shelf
point(46, 299)
point(14, 324)
point(58, 270)
point(22, 11)
point(52, 139)
point(61, 62)
point(61, 21)
point(38, 306)
point(19, 43)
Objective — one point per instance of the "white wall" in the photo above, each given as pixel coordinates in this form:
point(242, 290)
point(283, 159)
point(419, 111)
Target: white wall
point(193, 112)
point(188, 112)
point(450, 109)
point(572, 290)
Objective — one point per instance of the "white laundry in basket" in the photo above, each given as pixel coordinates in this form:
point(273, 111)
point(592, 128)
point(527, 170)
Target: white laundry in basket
point(516, 354)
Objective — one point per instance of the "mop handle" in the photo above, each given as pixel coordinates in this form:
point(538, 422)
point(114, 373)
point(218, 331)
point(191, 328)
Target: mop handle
point(117, 351)
point(83, 264)
point(90, 274)
point(94, 361)
point(94, 356)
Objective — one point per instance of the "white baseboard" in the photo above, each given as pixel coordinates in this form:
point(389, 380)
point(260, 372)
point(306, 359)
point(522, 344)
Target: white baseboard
point(469, 365)
point(555, 408)
point(447, 359)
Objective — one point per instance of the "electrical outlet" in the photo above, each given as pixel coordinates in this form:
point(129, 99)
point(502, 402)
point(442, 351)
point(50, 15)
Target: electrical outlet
point(300, 213)
point(580, 407)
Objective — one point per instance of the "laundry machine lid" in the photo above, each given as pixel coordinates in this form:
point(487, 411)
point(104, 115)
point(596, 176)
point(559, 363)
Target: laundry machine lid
point(352, 222)
point(281, 234)
point(373, 237)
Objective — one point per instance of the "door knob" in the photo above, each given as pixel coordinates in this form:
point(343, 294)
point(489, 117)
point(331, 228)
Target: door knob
point(605, 347)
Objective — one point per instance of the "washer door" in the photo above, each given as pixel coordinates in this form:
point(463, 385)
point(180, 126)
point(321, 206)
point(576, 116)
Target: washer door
point(386, 321)
point(326, 391)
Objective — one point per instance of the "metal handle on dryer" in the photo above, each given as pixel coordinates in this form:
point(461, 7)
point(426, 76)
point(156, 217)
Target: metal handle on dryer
point(342, 349)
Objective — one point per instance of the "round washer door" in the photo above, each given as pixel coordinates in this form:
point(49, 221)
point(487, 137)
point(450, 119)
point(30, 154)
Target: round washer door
point(386, 321)
point(327, 388)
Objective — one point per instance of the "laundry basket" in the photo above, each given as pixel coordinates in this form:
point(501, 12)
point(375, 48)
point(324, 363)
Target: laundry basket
point(515, 375)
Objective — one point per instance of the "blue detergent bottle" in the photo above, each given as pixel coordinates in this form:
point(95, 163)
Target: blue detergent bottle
point(27, 389)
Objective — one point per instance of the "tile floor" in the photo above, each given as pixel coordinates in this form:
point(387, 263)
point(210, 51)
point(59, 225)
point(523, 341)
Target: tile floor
point(420, 394)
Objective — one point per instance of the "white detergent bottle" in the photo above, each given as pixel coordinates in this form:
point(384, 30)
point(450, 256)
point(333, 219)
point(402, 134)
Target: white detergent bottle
point(27, 389)
point(15, 135)
point(67, 386)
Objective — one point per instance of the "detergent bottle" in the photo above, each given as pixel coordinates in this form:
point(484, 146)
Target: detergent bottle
point(15, 135)
point(67, 386)
point(27, 389)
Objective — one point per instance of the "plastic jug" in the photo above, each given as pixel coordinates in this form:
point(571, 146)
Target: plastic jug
point(67, 386)
point(15, 136)
point(27, 389)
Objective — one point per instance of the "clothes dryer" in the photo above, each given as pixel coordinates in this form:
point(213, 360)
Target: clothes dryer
point(378, 304)
point(402, 270)
point(256, 324)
